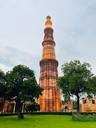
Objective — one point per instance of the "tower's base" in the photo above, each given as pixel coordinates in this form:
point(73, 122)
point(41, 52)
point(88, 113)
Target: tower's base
point(50, 100)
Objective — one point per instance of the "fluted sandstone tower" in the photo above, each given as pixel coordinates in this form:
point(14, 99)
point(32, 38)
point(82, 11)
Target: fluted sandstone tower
point(50, 101)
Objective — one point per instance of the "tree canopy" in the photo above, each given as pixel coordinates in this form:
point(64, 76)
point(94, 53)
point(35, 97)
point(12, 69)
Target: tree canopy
point(75, 79)
point(91, 88)
point(2, 84)
point(22, 84)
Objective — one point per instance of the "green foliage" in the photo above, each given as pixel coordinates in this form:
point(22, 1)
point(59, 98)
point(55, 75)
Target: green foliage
point(76, 76)
point(84, 117)
point(64, 85)
point(75, 79)
point(30, 90)
point(21, 82)
point(2, 85)
point(91, 88)
point(32, 107)
point(74, 104)
point(21, 86)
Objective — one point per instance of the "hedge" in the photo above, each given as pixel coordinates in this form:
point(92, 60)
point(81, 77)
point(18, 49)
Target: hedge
point(84, 116)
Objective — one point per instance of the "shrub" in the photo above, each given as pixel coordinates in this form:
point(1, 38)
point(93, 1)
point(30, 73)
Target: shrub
point(84, 117)
point(32, 107)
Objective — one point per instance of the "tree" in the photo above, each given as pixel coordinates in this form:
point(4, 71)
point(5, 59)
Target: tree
point(75, 79)
point(22, 85)
point(91, 88)
point(2, 87)
point(2, 84)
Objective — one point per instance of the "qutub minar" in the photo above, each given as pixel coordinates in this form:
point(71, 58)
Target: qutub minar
point(50, 100)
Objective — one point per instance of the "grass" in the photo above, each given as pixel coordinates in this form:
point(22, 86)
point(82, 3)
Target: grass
point(44, 121)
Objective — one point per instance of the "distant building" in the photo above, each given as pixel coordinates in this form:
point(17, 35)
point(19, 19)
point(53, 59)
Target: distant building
point(68, 106)
point(88, 105)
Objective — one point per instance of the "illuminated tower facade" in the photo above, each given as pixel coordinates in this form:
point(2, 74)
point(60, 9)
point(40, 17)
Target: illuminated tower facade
point(50, 101)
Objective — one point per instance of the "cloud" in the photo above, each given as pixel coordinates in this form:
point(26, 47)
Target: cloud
point(9, 57)
point(78, 33)
point(21, 31)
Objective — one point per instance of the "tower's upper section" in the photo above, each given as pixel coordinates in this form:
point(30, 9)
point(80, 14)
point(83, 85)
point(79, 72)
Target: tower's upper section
point(48, 22)
point(48, 41)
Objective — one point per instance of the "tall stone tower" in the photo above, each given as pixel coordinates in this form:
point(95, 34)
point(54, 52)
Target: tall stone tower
point(50, 101)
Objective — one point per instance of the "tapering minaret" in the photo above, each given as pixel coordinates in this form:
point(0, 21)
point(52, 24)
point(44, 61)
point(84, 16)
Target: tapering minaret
point(50, 101)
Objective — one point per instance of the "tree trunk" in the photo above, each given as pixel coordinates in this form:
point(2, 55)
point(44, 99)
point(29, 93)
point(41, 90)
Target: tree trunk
point(78, 103)
point(20, 115)
point(19, 109)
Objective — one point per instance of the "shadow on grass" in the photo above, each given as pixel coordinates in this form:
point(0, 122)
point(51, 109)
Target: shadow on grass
point(27, 118)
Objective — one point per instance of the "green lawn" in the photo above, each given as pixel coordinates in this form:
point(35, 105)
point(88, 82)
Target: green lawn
point(43, 121)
